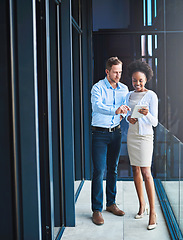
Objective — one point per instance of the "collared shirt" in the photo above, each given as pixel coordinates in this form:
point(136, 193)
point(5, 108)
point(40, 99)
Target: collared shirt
point(105, 101)
point(146, 123)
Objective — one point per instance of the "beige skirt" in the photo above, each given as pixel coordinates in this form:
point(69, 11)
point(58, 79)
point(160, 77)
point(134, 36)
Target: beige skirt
point(140, 147)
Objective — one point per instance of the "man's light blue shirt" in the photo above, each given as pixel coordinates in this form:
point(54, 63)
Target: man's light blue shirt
point(105, 101)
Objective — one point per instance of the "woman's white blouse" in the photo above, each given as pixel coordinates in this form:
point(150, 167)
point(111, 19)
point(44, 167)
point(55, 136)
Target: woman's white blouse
point(146, 123)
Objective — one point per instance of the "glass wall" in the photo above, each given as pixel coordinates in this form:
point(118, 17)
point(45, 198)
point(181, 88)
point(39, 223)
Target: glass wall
point(45, 139)
point(77, 91)
point(50, 123)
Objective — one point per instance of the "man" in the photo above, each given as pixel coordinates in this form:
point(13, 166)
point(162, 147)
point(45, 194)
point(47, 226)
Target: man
point(107, 98)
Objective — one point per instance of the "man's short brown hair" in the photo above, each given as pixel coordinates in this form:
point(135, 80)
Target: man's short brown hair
point(112, 61)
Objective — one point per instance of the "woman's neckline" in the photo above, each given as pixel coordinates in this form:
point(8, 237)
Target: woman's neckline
point(141, 92)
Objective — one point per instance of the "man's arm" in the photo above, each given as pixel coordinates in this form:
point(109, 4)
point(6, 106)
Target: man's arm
point(123, 109)
point(97, 104)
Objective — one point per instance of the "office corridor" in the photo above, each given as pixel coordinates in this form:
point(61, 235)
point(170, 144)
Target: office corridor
point(115, 228)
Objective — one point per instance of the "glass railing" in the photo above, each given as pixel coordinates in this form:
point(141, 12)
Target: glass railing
point(168, 169)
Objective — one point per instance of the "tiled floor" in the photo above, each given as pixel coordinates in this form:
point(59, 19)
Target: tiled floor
point(114, 228)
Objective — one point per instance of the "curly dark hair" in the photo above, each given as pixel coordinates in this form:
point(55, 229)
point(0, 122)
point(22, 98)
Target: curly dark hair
point(140, 66)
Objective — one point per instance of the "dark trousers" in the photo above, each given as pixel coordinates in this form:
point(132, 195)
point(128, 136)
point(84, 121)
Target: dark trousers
point(105, 150)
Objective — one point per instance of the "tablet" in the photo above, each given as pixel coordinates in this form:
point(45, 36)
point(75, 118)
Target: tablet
point(135, 113)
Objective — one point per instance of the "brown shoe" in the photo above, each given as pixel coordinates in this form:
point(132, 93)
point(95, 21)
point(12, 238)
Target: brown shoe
point(115, 210)
point(97, 218)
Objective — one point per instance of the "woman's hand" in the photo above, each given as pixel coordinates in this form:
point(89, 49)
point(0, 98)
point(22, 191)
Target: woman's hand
point(143, 111)
point(132, 120)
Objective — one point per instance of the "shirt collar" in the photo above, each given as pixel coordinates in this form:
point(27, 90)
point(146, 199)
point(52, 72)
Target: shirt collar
point(109, 85)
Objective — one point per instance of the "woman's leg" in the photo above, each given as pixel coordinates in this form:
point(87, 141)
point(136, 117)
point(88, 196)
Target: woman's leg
point(138, 180)
point(149, 184)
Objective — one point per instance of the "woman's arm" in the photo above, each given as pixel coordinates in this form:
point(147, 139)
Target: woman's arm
point(152, 115)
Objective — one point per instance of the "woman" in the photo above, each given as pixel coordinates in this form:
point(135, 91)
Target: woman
point(140, 136)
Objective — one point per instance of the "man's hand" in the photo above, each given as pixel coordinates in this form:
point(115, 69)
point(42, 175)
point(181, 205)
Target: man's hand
point(123, 109)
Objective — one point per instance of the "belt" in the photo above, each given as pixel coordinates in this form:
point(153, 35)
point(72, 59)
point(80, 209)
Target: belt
point(106, 129)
